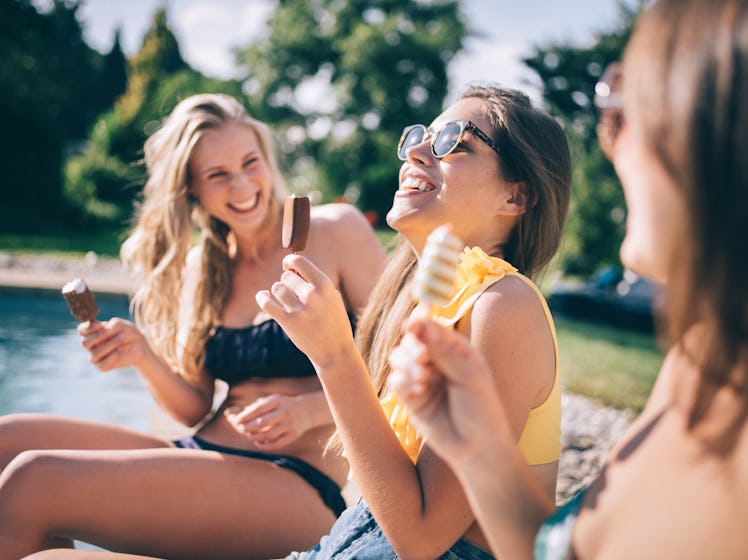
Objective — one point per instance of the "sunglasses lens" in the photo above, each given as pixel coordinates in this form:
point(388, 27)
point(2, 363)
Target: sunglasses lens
point(447, 139)
point(412, 136)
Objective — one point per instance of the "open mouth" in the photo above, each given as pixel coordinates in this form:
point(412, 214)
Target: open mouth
point(246, 205)
point(414, 184)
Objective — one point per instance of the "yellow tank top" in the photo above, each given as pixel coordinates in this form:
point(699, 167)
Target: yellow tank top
point(540, 441)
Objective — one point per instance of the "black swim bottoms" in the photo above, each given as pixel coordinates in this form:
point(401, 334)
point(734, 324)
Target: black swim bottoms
point(325, 486)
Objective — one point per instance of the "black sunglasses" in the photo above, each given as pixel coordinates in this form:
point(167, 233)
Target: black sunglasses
point(443, 141)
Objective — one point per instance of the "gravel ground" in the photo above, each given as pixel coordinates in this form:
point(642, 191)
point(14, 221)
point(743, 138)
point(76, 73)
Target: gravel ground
point(589, 429)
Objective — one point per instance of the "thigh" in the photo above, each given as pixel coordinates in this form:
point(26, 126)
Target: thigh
point(176, 503)
point(67, 554)
point(21, 432)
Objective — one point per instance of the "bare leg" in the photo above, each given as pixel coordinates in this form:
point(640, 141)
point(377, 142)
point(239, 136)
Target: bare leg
point(172, 503)
point(23, 432)
point(65, 554)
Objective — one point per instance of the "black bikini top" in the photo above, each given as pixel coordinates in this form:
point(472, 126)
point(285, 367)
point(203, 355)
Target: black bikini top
point(264, 350)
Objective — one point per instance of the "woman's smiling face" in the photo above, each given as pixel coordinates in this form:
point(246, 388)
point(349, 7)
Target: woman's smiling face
point(465, 188)
point(230, 176)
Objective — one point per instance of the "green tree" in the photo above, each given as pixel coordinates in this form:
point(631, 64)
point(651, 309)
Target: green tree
point(380, 64)
point(568, 75)
point(113, 75)
point(47, 79)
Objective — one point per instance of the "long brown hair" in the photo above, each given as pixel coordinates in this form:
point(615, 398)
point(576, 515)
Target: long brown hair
point(534, 150)
point(686, 86)
point(166, 220)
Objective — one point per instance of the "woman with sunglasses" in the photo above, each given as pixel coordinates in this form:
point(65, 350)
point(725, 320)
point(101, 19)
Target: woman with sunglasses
point(676, 485)
point(498, 171)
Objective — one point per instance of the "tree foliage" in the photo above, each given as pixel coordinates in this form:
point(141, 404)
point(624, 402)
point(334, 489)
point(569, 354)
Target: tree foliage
point(51, 87)
point(568, 74)
point(371, 67)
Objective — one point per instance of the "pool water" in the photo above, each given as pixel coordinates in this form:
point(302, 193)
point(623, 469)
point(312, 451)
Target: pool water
point(44, 367)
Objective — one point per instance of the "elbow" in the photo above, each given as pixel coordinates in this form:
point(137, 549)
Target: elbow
point(191, 418)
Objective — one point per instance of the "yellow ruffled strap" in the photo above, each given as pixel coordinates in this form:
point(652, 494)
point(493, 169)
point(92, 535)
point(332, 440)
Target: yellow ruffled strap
point(476, 272)
point(406, 433)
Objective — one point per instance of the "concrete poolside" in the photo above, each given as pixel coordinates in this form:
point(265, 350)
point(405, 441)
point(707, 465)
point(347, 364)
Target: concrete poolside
point(51, 272)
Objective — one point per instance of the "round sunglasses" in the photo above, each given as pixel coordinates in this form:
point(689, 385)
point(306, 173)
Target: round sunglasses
point(443, 141)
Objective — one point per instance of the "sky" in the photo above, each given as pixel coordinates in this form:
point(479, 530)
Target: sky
point(504, 30)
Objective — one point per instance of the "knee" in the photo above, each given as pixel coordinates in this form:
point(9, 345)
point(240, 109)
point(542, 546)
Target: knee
point(28, 479)
point(13, 434)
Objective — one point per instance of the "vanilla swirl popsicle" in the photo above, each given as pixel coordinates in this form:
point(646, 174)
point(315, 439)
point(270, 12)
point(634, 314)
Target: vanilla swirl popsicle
point(434, 281)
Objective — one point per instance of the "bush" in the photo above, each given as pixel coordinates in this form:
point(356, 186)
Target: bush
point(101, 186)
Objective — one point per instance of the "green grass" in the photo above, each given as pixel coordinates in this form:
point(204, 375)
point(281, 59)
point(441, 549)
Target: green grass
point(106, 242)
point(615, 366)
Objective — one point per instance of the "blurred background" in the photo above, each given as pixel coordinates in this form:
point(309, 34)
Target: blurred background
point(83, 83)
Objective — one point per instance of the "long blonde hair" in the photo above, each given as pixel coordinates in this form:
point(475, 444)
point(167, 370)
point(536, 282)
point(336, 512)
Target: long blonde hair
point(167, 218)
point(534, 150)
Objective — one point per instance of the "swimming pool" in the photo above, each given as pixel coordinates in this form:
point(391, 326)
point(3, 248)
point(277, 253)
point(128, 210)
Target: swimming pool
point(44, 368)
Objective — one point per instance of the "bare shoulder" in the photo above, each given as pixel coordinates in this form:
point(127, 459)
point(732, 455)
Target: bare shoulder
point(345, 229)
point(337, 217)
point(509, 304)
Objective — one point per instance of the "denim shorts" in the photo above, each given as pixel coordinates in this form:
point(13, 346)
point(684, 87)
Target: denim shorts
point(357, 536)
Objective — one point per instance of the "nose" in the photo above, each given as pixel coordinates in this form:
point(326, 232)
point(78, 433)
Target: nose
point(240, 181)
point(421, 152)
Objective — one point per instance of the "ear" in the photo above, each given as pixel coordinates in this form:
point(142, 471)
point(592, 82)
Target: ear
point(516, 199)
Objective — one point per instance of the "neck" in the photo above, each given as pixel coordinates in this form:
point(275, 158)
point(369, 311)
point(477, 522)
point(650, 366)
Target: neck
point(253, 246)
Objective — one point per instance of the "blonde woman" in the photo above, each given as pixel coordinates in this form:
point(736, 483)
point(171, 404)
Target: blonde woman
point(253, 480)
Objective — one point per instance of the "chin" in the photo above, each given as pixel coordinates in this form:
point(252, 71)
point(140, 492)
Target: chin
point(638, 262)
point(395, 218)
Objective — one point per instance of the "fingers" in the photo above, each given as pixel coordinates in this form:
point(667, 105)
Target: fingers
point(305, 269)
point(258, 408)
point(112, 344)
point(87, 328)
point(269, 431)
point(299, 280)
point(450, 352)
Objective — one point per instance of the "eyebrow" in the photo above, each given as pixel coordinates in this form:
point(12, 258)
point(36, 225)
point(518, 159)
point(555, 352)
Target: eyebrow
point(251, 153)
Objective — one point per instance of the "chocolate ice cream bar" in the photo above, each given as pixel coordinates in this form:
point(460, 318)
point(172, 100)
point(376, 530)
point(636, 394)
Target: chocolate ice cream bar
point(296, 220)
point(80, 300)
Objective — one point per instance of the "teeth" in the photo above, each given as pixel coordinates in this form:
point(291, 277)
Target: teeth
point(416, 184)
point(246, 204)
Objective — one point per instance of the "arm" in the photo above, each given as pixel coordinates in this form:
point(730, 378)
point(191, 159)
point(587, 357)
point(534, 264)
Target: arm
point(355, 258)
point(450, 390)
point(118, 343)
point(420, 508)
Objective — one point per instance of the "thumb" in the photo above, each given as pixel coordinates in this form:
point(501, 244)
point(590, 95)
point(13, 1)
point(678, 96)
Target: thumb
point(450, 352)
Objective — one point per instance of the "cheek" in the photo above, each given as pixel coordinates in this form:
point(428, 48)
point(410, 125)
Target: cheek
point(654, 212)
